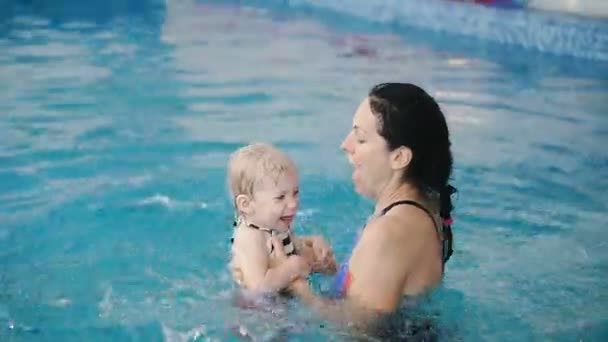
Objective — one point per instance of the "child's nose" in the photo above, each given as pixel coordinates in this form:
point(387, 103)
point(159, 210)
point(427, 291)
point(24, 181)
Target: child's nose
point(292, 203)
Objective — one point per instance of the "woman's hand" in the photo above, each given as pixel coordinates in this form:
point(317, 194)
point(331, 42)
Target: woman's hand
point(347, 311)
point(320, 254)
point(325, 261)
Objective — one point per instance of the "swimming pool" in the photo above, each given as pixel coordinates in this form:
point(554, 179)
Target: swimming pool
point(118, 118)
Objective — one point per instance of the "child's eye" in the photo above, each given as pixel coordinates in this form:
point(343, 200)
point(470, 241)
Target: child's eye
point(280, 197)
point(296, 193)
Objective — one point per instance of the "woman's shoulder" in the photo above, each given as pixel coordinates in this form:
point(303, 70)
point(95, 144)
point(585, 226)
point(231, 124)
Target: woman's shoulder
point(404, 221)
point(385, 234)
point(407, 232)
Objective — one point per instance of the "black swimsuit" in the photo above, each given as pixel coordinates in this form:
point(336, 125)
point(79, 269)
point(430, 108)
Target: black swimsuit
point(285, 237)
point(446, 230)
point(343, 277)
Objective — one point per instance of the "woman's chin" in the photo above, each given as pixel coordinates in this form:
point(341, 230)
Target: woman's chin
point(361, 190)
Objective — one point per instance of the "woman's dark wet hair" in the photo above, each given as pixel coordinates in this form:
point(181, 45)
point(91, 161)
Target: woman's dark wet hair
point(409, 116)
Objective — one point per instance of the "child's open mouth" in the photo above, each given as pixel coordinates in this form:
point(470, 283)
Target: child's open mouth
point(287, 219)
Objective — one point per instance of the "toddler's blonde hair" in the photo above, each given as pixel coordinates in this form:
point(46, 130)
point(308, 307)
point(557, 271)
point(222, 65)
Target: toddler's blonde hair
point(253, 163)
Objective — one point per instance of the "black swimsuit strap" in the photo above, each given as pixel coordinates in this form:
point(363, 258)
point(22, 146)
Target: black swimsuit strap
point(447, 230)
point(251, 225)
point(286, 241)
point(408, 202)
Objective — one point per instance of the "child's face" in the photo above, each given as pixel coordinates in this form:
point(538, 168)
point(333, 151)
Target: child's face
point(274, 204)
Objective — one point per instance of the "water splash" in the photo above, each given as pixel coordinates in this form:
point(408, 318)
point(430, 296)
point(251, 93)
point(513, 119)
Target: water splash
point(194, 334)
point(169, 203)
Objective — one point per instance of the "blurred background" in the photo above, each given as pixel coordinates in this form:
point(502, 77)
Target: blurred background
point(117, 119)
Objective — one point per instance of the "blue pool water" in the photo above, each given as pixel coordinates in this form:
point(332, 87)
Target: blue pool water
point(117, 119)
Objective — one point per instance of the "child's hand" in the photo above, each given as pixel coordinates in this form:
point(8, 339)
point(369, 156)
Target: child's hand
point(298, 265)
point(324, 260)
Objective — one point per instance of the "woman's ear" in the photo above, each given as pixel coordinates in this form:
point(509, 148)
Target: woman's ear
point(401, 157)
point(243, 204)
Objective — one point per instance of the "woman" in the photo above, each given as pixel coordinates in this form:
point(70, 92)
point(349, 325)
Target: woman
point(399, 147)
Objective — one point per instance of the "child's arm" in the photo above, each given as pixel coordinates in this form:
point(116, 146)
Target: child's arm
point(257, 273)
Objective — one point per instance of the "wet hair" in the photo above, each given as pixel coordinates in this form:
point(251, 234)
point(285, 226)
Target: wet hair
point(251, 164)
point(409, 116)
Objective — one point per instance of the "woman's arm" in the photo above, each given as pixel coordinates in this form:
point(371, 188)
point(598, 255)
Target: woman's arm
point(379, 265)
point(344, 312)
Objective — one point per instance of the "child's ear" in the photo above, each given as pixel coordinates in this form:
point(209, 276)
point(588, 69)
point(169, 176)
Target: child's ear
point(243, 204)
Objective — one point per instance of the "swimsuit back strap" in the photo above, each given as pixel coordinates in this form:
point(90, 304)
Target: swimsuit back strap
point(445, 230)
point(408, 202)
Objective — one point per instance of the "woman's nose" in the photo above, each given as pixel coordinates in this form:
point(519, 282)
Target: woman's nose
point(345, 146)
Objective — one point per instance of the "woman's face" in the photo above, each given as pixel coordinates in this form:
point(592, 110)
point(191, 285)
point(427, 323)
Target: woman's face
point(368, 152)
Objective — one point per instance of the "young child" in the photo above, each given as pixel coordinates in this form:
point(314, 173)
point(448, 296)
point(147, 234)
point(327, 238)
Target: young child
point(264, 184)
